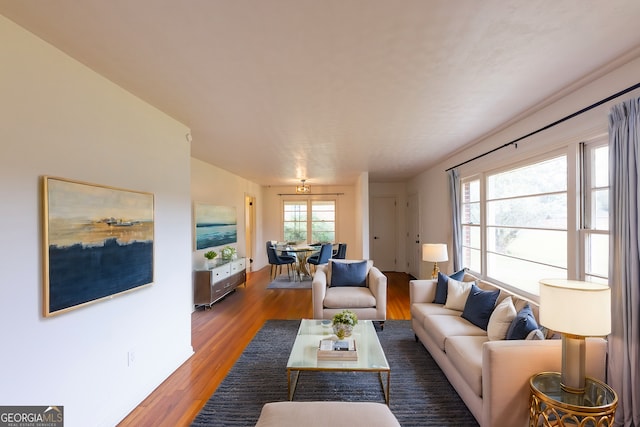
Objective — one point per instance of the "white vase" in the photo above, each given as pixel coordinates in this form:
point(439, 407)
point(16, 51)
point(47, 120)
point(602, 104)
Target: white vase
point(341, 327)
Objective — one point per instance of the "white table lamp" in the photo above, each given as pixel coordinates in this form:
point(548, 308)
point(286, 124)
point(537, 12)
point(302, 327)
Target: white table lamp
point(434, 252)
point(577, 310)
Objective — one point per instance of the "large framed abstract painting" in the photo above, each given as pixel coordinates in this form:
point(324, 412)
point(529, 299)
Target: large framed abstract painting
point(98, 242)
point(215, 225)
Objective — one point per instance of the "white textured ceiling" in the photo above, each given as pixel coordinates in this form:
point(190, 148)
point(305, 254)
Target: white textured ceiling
point(279, 90)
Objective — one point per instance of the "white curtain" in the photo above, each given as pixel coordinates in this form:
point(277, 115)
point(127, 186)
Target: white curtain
point(624, 267)
point(454, 191)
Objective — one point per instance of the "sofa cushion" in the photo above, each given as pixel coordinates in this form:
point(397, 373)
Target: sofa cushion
point(479, 306)
point(441, 286)
point(523, 323)
point(349, 297)
point(465, 354)
point(421, 309)
point(501, 319)
point(457, 293)
point(349, 274)
point(441, 326)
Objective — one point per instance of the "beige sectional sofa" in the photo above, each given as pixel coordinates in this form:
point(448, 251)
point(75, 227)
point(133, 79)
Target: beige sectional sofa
point(491, 376)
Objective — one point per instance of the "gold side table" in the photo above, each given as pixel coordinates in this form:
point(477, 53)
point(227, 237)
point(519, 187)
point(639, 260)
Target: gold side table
point(549, 405)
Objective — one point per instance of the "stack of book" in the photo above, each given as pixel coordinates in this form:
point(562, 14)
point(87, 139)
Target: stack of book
point(337, 350)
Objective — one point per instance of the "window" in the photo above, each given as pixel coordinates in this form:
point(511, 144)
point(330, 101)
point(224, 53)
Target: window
point(515, 223)
point(595, 212)
point(295, 221)
point(323, 221)
point(471, 248)
point(547, 217)
point(526, 223)
point(310, 218)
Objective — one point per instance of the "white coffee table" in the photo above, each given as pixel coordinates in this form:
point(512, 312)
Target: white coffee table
point(303, 355)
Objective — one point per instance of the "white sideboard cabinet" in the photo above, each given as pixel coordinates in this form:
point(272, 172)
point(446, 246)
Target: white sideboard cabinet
point(213, 284)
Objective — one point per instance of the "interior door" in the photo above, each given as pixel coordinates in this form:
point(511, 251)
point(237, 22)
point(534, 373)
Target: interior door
point(383, 227)
point(414, 255)
point(250, 227)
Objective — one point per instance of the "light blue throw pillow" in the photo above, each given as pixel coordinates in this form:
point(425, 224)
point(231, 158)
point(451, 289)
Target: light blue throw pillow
point(349, 274)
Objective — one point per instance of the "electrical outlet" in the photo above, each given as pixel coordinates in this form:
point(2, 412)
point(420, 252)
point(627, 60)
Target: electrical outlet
point(131, 358)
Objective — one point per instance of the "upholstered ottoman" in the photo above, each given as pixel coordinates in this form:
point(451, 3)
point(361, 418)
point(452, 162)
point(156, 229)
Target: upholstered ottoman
point(318, 414)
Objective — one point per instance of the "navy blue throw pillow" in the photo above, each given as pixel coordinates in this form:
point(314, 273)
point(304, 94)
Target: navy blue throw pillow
point(524, 323)
point(349, 273)
point(441, 287)
point(479, 306)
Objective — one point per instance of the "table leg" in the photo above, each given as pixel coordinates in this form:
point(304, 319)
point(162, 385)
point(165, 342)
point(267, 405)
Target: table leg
point(302, 264)
point(291, 383)
point(386, 389)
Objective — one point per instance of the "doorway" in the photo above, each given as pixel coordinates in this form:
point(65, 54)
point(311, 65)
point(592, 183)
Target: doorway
point(414, 255)
point(383, 227)
point(250, 228)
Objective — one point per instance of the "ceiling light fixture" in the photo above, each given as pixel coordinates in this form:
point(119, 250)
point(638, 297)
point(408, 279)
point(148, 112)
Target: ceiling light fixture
point(303, 188)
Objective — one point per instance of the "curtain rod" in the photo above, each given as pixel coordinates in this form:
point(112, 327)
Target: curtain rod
point(311, 194)
point(557, 122)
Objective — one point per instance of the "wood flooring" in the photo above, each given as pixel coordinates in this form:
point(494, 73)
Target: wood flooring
point(219, 336)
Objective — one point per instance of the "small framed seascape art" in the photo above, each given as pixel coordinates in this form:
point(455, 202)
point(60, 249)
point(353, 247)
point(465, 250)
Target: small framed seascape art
point(98, 242)
point(214, 225)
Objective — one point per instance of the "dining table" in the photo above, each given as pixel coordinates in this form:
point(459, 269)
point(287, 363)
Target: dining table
point(302, 253)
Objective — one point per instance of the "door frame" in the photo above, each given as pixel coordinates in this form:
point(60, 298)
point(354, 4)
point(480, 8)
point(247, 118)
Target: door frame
point(414, 257)
point(250, 228)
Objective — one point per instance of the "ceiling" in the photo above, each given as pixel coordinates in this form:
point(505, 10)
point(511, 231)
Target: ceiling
point(280, 90)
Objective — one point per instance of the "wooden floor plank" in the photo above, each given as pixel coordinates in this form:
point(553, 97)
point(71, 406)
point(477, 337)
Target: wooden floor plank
point(219, 336)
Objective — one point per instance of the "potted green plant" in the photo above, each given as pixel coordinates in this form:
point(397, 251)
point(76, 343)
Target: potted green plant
point(344, 322)
point(228, 253)
point(210, 256)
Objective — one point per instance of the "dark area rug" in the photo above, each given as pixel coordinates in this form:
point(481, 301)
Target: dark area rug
point(420, 393)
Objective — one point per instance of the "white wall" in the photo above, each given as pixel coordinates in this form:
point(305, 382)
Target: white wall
point(432, 184)
point(362, 216)
point(61, 119)
point(347, 219)
point(215, 186)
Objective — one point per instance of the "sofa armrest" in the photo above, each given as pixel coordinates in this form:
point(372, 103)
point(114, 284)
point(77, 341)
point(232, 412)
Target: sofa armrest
point(422, 290)
point(318, 291)
point(378, 287)
point(507, 367)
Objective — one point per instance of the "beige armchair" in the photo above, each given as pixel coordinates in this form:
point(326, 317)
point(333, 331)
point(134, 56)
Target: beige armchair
point(368, 302)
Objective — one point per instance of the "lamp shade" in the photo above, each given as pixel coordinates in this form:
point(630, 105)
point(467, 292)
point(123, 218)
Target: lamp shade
point(434, 252)
point(575, 307)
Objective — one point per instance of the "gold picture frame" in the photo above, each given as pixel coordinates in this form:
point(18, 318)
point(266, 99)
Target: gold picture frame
point(98, 242)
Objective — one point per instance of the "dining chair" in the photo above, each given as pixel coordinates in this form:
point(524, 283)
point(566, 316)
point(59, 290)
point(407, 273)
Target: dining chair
point(341, 253)
point(276, 260)
point(321, 257)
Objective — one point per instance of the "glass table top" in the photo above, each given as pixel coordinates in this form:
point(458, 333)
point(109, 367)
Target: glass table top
point(304, 351)
point(596, 394)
